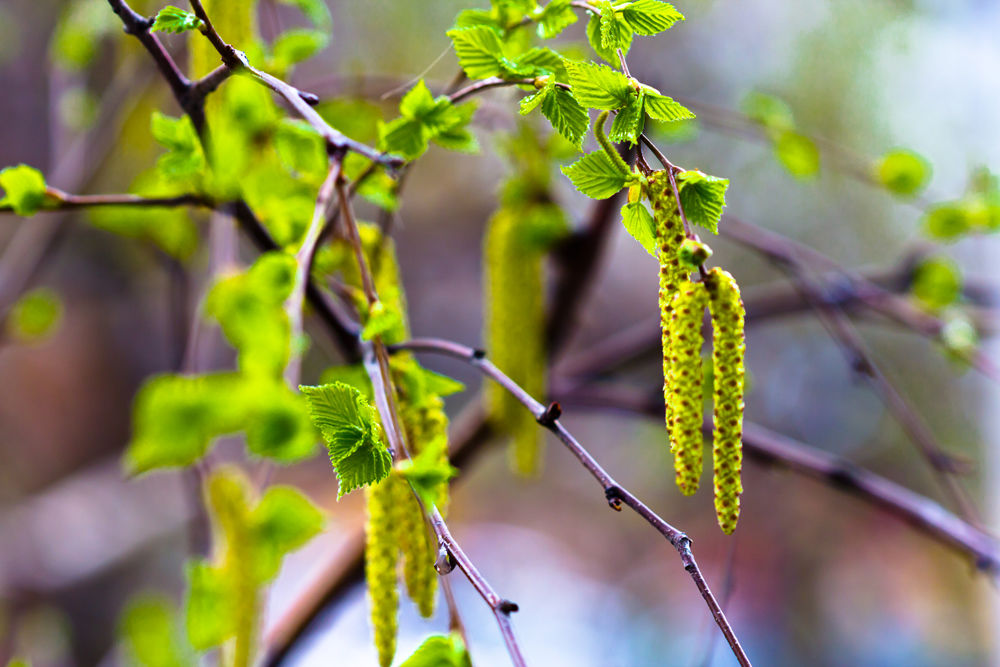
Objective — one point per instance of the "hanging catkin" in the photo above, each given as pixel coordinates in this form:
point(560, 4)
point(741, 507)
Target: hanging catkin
point(381, 556)
point(515, 322)
point(729, 346)
point(669, 237)
point(685, 399)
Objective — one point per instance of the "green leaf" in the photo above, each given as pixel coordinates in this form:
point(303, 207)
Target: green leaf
point(176, 20)
point(294, 46)
point(279, 426)
point(151, 634)
point(404, 137)
point(599, 86)
point(797, 153)
point(348, 424)
point(594, 38)
point(301, 149)
point(34, 316)
point(184, 156)
point(568, 118)
point(937, 282)
point(171, 229)
point(769, 111)
point(595, 175)
point(640, 224)
point(615, 32)
point(283, 521)
point(380, 320)
point(703, 198)
point(629, 121)
point(650, 17)
point(440, 651)
point(947, 221)
point(211, 606)
point(530, 102)
point(664, 108)
point(24, 189)
point(418, 102)
point(479, 51)
point(902, 172)
point(428, 472)
point(555, 17)
point(79, 33)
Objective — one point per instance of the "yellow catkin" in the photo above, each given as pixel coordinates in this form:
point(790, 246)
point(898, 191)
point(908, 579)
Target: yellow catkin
point(685, 400)
point(381, 556)
point(729, 347)
point(515, 332)
point(669, 237)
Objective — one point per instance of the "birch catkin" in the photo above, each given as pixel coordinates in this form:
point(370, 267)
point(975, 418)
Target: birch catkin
point(685, 399)
point(729, 346)
point(381, 556)
point(669, 236)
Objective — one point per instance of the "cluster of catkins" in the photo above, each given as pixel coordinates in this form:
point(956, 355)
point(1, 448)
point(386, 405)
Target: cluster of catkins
point(682, 308)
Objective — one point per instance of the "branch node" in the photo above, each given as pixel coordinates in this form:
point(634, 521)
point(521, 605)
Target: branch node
point(551, 414)
point(507, 607)
point(479, 354)
point(309, 98)
point(613, 494)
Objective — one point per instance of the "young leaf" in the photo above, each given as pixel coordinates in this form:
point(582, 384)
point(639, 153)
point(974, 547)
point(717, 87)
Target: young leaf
point(380, 320)
point(664, 108)
point(353, 439)
point(34, 316)
point(937, 282)
point(24, 189)
point(440, 651)
point(798, 154)
point(555, 17)
point(282, 521)
point(279, 426)
point(769, 111)
point(947, 221)
point(479, 51)
point(151, 635)
point(404, 137)
point(599, 86)
point(428, 472)
point(640, 224)
point(176, 20)
point(902, 172)
point(629, 122)
point(595, 175)
point(566, 115)
point(294, 46)
point(315, 10)
point(594, 38)
point(211, 606)
point(184, 156)
point(615, 32)
point(650, 17)
point(703, 198)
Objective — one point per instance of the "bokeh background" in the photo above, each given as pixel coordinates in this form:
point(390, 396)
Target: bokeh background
point(814, 576)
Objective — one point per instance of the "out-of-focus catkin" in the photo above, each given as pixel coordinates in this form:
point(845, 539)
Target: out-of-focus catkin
point(685, 398)
point(729, 347)
point(381, 556)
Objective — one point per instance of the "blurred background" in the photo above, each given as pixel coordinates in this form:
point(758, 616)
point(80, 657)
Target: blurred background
point(813, 576)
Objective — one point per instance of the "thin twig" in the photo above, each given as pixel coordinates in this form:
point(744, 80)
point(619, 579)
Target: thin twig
point(61, 201)
point(548, 417)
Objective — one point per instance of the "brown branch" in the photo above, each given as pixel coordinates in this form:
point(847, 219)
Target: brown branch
point(486, 84)
point(770, 448)
point(548, 417)
point(61, 201)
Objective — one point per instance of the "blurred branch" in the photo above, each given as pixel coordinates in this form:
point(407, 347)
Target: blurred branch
point(548, 418)
point(770, 448)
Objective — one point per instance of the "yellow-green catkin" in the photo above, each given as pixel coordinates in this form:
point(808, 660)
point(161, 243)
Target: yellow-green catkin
point(426, 427)
point(729, 347)
point(515, 332)
point(685, 400)
point(235, 20)
point(381, 557)
point(669, 237)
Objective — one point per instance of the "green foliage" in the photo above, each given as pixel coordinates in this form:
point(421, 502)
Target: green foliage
point(184, 158)
point(152, 635)
point(937, 282)
point(599, 86)
point(703, 198)
point(554, 17)
point(283, 521)
point(35, 316)
point(768, 111)
point(428, 473)
point(24, 189)
point(175, 20)
point(559, 106)
point(353, 436)
point(483, 54)
point(596, 175)
point(798, 154)
point(440, 651)
point(315, 10)
point(902, 172)
point(296, 45)
point(79, 32)
point(425, 118)
point(649, 17)
point(210, 617)
point(640, 224)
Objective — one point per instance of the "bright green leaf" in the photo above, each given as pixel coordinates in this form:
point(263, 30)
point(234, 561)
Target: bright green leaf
point(184, 156)
point(769, 111)
point(315, 10)
point(903, 172)
point(615, 32)
point(595, 175)
point(703, 198)
point(664, 108)
point(629, 121)
point(947, 221)
point(176, 20)
point(640, 224)
point(380, 320)
point(428, 473)
point(798, 154)
point(599, 86)
point(211, 606)
point(24, 189)
point(294, 46)
point(594, 38)
point(283, 521)
point(479, 51)
point(650, 17)
point(568, 118)
point(555, 17)
point(151, 634)
point(407, 138)
point(937, 282)
point(440, 651)
point(34, 316)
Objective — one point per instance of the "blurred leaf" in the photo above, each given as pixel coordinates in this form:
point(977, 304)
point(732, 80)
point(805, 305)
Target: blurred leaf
point(79, 31)
point(428, 473)
point(937, 282)
point(903, 172)
point(24, 189)
point(294, 46)
point(440, 651)
point(211, 606)
point(315, 10)
point(184, 156)
point(301, 149)
point(959, 338)
point(34, 316)
point(171, 229)
point(283, 521)
point(797, 153)
point(615, 31)
point(380, 320)
point(769, 111)
point(152, 635)
point(640, 225)
point(175, 20)
point(703, 198)
point(947, 221)
point(556, 16)
point(278, 426)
